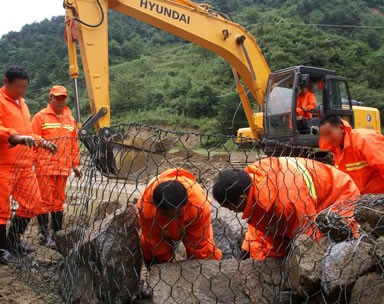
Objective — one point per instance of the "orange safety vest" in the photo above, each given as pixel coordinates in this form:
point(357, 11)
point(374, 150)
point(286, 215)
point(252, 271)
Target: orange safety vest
point(193, 227)
point(362, 158)
point(14, 119)
point(287, 194)
point(308, 101)
point(61, 131)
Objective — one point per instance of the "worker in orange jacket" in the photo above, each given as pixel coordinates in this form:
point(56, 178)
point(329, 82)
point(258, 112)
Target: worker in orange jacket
point(175, 208)
point(358, 152)
point(306, 102)
point(281, 196)
point(17, 177)
point(57, 124)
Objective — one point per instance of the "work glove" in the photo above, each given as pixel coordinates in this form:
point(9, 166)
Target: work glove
point(47, 145)
point(24, 140)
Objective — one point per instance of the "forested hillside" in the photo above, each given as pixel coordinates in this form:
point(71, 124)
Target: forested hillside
point(158, 78)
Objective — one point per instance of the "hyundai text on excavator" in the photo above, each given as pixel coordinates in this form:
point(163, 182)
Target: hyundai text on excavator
point(275, 93)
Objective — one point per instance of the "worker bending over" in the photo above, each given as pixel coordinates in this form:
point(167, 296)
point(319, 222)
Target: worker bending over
point(175, 208)
point(57, 124)
point(358, 152)
point(280, 196)
point(17, 177)
point(306, 102)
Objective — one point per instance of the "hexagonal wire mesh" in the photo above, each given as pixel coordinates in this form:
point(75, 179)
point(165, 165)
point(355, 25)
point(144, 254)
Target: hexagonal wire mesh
point(160, 216)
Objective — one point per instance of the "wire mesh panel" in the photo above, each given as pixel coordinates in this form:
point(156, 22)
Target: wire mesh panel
point(159, 216)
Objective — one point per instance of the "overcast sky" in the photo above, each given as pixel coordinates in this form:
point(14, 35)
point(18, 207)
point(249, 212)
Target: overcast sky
point(16, 13)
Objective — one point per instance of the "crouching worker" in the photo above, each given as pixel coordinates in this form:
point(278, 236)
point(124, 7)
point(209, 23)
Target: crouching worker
point(55, 123)
point(175, 208)
point(279, 196)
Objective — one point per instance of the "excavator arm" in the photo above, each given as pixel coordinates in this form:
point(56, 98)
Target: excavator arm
point(87, 25)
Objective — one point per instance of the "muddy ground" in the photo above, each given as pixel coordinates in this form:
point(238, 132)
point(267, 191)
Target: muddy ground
point(35, 279)
point(14, 290)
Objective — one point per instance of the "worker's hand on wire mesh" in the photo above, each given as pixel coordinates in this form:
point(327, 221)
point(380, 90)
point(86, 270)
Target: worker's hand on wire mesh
point(77, 172)
point(24, 140)
point(47, 145)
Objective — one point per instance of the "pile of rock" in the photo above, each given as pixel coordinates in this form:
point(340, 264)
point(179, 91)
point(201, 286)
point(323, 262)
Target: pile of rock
point(337, 268)
point(207, 281)
point(102, 262)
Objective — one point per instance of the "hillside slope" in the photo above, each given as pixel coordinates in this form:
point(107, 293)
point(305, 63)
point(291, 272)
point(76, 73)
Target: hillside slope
point(158, 78)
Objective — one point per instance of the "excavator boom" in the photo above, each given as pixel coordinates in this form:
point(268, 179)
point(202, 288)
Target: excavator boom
point(199, 24)
point(87, 26)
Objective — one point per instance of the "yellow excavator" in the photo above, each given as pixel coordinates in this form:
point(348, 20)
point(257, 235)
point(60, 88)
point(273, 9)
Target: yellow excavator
point(276, 93)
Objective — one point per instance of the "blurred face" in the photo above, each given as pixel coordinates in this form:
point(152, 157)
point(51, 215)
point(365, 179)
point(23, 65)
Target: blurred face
point(17, 88)
point(304, 90)
point(332, 135)
point(58, 103)
point(240, 207)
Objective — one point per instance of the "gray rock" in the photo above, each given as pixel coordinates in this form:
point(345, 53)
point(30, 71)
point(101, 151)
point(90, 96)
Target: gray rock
point(67, 238)
point(369, 213)
point(333, 226)
point(104, 266)
point(343, 264)
point(368, 289)
point(226, 239)
point(378, 250)
point(303, 266)
point(228, 231)
point(104, 209)
point(208, 281)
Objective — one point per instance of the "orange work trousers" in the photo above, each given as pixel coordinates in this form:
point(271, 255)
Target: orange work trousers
point(300, 112)
point(23, 186)
point(52, 188)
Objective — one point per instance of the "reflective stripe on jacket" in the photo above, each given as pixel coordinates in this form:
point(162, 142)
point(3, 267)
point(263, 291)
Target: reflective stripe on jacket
point(362, 157)
point(193, 227)
point(61, 131)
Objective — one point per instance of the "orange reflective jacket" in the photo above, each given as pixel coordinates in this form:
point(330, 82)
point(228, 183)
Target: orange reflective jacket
point(362, 157)
point(193, 227)
point(308, 101)
point(14, 119)
point(61, 131)
point(286, 195)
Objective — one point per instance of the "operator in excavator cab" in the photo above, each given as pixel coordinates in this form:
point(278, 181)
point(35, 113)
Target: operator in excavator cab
point(174, 208)
point(306, 102)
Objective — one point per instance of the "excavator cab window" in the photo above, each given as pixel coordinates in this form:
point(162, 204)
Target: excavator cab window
point(339, 98)
point(279, 105)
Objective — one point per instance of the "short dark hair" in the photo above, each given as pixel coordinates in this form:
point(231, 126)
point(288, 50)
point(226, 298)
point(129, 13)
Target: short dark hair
point(229, 185)
point(332, 119)
point(170, 195)
point(14, 73)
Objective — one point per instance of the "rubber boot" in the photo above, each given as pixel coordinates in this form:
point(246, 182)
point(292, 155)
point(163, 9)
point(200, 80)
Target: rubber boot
point(57, 222)
point(16, 230)
point(45, 240)
point(5, 256)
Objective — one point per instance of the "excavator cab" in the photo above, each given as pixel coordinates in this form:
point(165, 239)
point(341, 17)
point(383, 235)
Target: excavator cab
point(282, 121)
